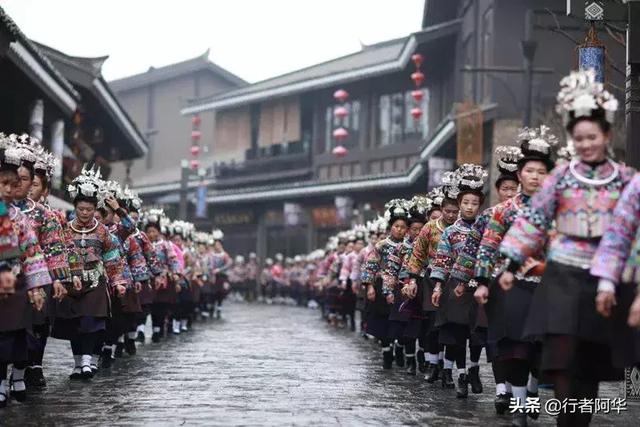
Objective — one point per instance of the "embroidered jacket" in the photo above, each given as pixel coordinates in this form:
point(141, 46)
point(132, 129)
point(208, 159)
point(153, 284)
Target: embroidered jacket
point(408, 243)
point(349, 264)
point(384, 261)
point(30, 260)
point(618, 256)
point(50, 236)
point(451, 243)
point(148, 251)
point(136, 260)
point(222, 262)
point(96, 250)
point(463, 268)
point(581, 212)
point(424, 248)
point(166, 256)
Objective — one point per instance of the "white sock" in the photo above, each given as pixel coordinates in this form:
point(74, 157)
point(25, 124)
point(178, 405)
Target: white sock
point(386, 349)
point(520, 393)
point(85, 360)
point(77, 359)
point(410, 355)
point(94, 359)
point(473, 364)
point(448, 364)
point(184, 323)
point(140, 328)
point(18, 379)
point(34, 367)
point(3, 390)
point(462, 371)
point(532, 384)
point(156, 329)
point(501, 389)
point(507, 384)
point(432, 358)
point(441, 355)
point(121, 339)
point(132, 335)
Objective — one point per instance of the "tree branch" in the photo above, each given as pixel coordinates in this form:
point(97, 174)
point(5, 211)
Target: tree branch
point(558, 29)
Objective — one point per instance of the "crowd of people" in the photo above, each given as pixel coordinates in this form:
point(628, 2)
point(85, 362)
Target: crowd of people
point(92, 277)
point(546, 281)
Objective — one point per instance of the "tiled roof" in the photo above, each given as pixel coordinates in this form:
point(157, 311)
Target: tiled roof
point(154, 75)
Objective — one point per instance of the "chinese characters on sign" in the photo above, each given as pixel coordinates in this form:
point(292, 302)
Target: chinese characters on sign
point(554, 407)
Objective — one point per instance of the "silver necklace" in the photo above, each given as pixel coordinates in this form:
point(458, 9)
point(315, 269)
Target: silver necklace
point(594, 182)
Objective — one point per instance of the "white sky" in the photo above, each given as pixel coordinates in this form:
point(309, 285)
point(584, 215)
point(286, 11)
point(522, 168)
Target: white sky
point(254, 39)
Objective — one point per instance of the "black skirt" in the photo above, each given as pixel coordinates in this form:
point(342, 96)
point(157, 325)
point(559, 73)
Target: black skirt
point(15, 346)
point(453, 309)
point(575, 338)
point(626, 340)
point(377, 313)
point(507, 311)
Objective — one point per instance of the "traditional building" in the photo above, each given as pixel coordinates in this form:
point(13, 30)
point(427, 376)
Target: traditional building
point(154, 99)
point(275, 179)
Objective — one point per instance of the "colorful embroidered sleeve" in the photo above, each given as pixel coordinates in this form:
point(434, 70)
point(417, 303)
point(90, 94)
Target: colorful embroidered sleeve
point(463, 268)
point(443, 261)
point(391, 265)
point(490, 244)
point(528, 235)
point(111, 258)
point(54, 245)
point(125, 227)
point(371, 266)
point(420, 252)
point(33, 263)
point(345, 269)
point(136, 260)
point(615, 245)
point(172, 258)
point(150, 255)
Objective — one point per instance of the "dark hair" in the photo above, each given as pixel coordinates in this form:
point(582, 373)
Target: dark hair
point(152, 225)
point(548, 163)
point(82, 198)
point(29, 167)
point(103, 211)
point(596, 117)
point(43, 177)
point(506, 177)
point(448, 201)
point(464, 192)
point(393, 220)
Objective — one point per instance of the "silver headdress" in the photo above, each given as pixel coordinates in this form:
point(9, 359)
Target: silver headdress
point(437, 196)
point(396, 208)
point(131, 198)
point(450, 183)
point(89, 184)
point(45, 161)
point(20, 149)
point(539, 140)
point(580, 95)
point(471, 176)
point(217, 235)
point(508, 158)
point(155, 216)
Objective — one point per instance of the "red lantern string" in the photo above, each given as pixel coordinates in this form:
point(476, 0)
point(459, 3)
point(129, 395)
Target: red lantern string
point(340, 112)
point(418, 78)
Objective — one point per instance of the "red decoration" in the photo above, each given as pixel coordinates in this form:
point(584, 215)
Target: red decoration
point(417, 78)
point(341, 95)
point(196, 135)
point(340, 134)
point(417, 59)
point(416, 113)
point(194, 164)
point(418, 95)
point(195, 121)
point(195, 150)
point(340, 151)
point(341, 112)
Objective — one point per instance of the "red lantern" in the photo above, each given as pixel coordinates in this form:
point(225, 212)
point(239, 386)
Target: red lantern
point(195, 150)
point(340, 134)
point(196, 135)
point(417, 78)
point(340, 151)
point(418, 95)
point(194, 164)
point(417, 59)
point(195, 121)
point(416, 113)
point(341, 112)
point(341, 95)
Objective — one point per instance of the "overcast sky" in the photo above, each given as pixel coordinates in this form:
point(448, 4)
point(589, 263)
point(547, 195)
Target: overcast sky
point(254, 39)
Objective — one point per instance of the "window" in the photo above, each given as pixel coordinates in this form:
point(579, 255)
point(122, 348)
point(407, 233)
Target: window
point(351, 123)
point(395, 122)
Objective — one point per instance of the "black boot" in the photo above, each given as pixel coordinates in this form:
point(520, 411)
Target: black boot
point(140, 337)
point(534, 415)
point(433, 373)
point(119, 350)
point(36, 377)
point(474, 380)
point(421, 362)
point(502, 402)
point(399, 353)
point(411, 365)
point(155, 337)
point(447, 379)
point(462, 389)
point(387, 359)
point(106, 359)
point(19, 396)
point(130, 346)
point(28, 375)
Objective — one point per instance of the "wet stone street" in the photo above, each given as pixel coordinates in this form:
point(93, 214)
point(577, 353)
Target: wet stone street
point(261, 365)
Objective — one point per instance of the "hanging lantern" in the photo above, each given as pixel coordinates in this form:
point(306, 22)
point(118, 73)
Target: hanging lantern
point(194, 164)
point(195, 121)
point(416, 113)
point(340, 151)
point(340, 112)
point(195, 150)
point(592, 54)
point(418, 95)
point(341, 95)
point(196, 135)
point(340, 134)
point(417, 59)
point(418, 78)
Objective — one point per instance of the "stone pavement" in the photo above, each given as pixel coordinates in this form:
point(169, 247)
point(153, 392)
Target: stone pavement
point(260, 365)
